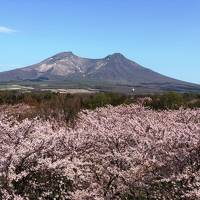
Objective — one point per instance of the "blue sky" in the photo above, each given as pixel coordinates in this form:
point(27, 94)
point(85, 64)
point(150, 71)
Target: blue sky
point(163, 35)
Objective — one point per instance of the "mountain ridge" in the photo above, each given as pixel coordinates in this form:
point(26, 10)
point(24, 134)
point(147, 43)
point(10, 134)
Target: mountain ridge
point(115, 69)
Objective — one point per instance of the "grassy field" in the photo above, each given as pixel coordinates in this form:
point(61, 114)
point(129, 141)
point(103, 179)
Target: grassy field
point(45, 88)
point(15, 87)
point(80, 84)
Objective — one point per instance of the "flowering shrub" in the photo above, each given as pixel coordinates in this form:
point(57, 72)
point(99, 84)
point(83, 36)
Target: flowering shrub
point(124, 152)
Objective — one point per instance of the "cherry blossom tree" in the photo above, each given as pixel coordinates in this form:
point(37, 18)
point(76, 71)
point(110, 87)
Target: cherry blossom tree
point(123, 152)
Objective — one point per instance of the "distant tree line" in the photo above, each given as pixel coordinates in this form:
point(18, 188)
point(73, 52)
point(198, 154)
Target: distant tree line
point(66, 106)
point(173, 100)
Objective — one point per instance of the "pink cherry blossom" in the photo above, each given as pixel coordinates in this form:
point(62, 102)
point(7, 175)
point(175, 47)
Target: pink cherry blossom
point(111, 153)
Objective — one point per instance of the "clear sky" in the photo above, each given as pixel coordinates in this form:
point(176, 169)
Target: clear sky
point(163, 35)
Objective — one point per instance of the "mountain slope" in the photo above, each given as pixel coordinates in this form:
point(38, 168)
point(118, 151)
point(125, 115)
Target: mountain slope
point(114, 69)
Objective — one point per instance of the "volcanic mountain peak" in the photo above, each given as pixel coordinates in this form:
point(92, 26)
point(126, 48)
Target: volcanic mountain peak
point(63, 54)
point(61, 64)
point(117, 55)
point(114, 69)
point(59, 57)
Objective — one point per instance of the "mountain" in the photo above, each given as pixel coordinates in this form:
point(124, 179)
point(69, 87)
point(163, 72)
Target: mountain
point(113, 71)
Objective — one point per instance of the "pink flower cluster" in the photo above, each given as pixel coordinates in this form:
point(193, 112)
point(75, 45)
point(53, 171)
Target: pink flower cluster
point(124, 152)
